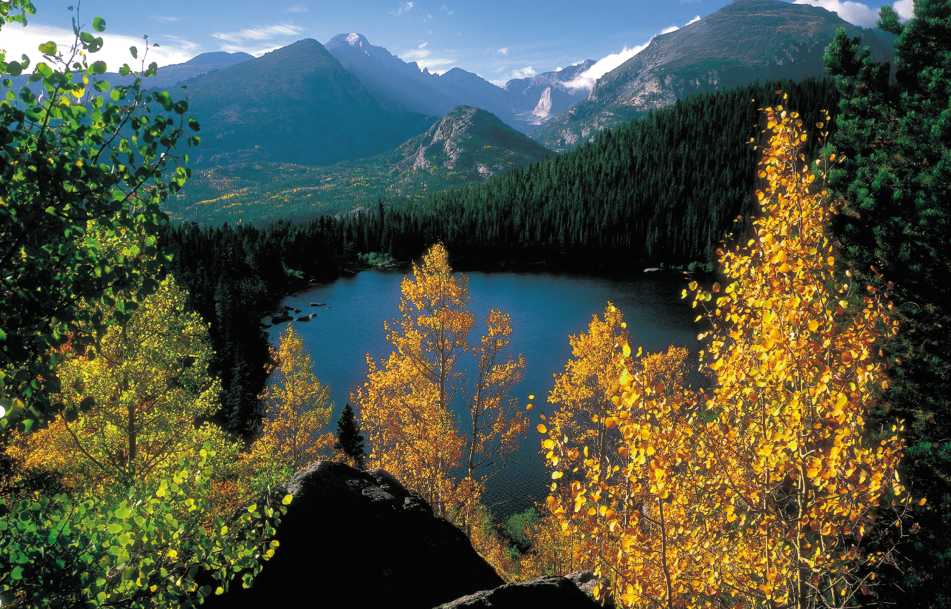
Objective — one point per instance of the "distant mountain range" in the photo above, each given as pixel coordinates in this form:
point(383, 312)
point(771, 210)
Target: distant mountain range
point(538, 99)
point(308, 128)
point(467, 145)
point(744, 42)
point(296, 105)
point(173, 75)
point(522, 103)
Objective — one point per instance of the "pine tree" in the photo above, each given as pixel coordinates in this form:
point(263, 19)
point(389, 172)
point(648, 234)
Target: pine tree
point(893, 138)
point(349, 437)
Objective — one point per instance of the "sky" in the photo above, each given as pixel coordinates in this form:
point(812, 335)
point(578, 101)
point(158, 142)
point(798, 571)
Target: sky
point(497, 39)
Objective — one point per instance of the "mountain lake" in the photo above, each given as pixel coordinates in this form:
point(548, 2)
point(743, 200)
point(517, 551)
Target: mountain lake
point(348, 317)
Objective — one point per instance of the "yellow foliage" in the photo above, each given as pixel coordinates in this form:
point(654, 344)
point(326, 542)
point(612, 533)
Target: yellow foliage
point(758, 492)
point(297, 409)
point(405, 401)
point(551, 552)
point(136, 396)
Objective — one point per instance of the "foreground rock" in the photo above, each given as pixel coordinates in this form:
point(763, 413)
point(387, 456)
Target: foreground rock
point(356, 539)
point(547, 592)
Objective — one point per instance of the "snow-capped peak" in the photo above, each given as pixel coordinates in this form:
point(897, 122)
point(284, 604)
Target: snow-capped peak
point(354, 39)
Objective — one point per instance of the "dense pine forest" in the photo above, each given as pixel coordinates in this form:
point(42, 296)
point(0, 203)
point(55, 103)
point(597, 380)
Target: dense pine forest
point(665, 188)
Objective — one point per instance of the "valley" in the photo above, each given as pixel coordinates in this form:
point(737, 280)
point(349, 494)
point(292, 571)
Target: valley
point(341, 129)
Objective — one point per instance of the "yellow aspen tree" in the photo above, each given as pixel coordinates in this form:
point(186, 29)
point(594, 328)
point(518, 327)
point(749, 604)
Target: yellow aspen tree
point(581, 424)
point(632, 512)
point(406, 401)
point(584, 390)
point(663, 555)
point(297, 408)
point(793, 354)
point(496, 421)
point(138, 397)
point(757, 492)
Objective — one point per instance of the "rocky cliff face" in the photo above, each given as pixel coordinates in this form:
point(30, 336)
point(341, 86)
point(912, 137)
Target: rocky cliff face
point(467, 143)
point(355, 539)
point(547, 592)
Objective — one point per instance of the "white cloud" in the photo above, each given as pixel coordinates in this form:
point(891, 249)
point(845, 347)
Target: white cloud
point(526, 72)
point(447, 10)
point(503, 51)
point(403, 8)
point(258, 34)
point(423, 56)
point(297, 9)
point(166, 18)
point(586, 79)
point(905, 8)
point(857, 13)
point(182, 44)
point(423, 44)
point(18, 40)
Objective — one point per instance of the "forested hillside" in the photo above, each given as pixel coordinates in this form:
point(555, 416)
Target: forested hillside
point(466, 146)
point(661, 189)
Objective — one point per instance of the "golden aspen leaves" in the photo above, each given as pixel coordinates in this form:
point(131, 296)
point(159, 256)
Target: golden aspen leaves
point(750, 493)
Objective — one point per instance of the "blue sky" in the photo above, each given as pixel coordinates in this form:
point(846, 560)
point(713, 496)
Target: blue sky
point(497, 39)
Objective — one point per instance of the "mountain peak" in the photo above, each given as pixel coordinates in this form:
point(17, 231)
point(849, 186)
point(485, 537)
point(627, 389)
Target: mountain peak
point(218, 58)
point(743, 42)
point(353, 39)
point(305, 55)
point(471, 141)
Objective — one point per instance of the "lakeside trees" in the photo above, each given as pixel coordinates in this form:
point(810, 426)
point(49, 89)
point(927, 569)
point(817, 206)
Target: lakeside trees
point(405, 402)
point(760, 490)
point(236, 275)
point(407, 398)
point(297, 409)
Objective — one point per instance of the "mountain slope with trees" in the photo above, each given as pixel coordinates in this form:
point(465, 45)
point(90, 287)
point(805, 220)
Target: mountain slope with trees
point(665, 188)
point(744, 42)
point(467, 145)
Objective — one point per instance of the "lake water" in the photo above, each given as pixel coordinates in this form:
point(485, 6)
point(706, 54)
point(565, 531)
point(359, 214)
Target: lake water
point(545, 309)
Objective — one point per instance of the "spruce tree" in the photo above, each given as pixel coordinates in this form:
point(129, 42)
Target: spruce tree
point(893, 169)
point(349, 437)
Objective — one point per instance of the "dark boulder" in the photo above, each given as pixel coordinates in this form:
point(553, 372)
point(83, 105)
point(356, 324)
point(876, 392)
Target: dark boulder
point(585, 580)
point(356, 539)
point(547, 592)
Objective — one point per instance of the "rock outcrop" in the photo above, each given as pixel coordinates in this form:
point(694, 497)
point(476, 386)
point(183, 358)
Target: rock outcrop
point(547, 592)
point(356, 539)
